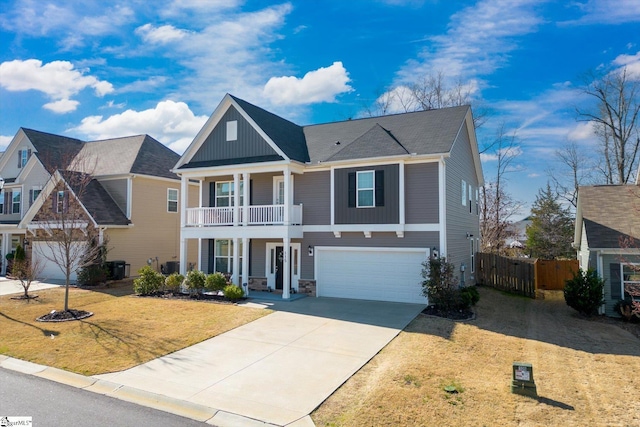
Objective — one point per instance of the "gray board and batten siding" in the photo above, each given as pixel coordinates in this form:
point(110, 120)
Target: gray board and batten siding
point(249, 143)
point(422, 193)
point(459, 166)
point(388, 213)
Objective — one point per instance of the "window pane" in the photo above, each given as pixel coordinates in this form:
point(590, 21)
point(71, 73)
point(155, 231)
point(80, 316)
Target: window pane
point(223, 189)
point(222, 265)
point(365, 198)
point(173, 206)
point(223, 247)
point(365, 179)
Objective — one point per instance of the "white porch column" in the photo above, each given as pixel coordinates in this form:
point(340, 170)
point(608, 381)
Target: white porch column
point(184, 199)
point(236, 198)
point(6, 248)
point(286, 265)
point(183, 256)
point(245, 194)
point(236, 262)
point(287, 198)
point(100, 236)
point(245, 264)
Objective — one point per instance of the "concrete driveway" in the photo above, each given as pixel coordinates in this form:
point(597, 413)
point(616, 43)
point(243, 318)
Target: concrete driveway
point(10, 286)
point(279, 368)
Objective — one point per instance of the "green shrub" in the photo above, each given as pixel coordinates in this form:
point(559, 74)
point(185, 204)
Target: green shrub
point(440, 285)
point(92, 275)
point(173, 282)
point(469, 296)
point(148, 282)
point(233, 292)
point(584, 292)
point(215, 282)
point(195, 280)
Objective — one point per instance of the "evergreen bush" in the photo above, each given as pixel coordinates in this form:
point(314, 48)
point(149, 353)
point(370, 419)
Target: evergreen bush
point(584, 292)
point(215, 282)
point(148, 282)
point(233, 292)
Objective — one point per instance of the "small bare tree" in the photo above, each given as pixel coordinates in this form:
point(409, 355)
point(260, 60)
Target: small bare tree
point(26, 271)
point(576, 170)
point(63, 224)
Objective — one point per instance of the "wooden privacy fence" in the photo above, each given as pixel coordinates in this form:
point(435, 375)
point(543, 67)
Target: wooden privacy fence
point(523, 276)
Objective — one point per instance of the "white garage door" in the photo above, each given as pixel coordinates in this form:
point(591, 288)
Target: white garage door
point(381, 274)
point(49, 269)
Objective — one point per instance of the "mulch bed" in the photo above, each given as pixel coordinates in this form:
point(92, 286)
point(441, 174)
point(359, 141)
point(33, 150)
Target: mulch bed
point(64, 315)
point(187, 296)
point(432, 310)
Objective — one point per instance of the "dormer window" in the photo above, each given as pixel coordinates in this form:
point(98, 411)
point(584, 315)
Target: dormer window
point(232, 130)
point(23, 157)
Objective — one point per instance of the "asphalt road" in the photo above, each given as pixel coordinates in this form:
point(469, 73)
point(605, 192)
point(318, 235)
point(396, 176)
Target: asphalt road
point(51, 404)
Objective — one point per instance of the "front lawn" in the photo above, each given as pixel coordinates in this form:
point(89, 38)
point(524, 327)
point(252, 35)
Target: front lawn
point(125, 330)
point(585, 372)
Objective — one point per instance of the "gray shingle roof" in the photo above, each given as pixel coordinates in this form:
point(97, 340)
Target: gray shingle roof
point(100, 205)
point(610, 212)
point(376, 142)
point(285, 134)
point(53, 151)
point(139, 154)
point(420, 132)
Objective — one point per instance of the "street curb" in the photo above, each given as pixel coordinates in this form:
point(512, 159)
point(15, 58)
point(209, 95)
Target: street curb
point(164, 403)
point(66, 377)
point(227, 419)
point(22, 366)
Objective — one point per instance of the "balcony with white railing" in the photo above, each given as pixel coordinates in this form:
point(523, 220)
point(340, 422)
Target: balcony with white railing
point(255, 215)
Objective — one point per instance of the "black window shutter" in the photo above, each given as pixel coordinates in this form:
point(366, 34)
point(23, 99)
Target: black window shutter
point(250, 193)
point(616, 281)
point(30, 197)
point(212, 194)
point(54, 201)
point(380, 188)
point(28, 153)
point(65, 202)
point(7, 202)
point(352, 189)
point(19, 158)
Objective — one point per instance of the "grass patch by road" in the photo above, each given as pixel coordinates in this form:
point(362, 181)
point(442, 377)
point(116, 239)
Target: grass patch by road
point(124, 331)
point(444, 373)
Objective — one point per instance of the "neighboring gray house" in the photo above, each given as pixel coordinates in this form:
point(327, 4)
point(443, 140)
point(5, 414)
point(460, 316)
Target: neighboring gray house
point(607, 237)
point(358, 204)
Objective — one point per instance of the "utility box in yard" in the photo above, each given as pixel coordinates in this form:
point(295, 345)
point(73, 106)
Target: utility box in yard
point(522, 382)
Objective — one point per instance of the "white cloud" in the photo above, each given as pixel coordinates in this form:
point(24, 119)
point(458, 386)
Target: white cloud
point(321, 85)
point(5, 141)
point(160, 35)
point(62, 106)
point(172, 123)
point(477, 41)
point(631, 62)
point(59, 80)
point(149, 85)
point(606, 12)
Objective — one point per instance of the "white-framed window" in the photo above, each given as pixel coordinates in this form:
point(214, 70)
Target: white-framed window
point(477, 201)
point(630, 276)
point(225, 194)
point(464, 193)
point(470, 197)
point(23, 157)
point(60, 201)
point(232, 130)
point(365, 189)
point(172, 200)
point(2, 201)
point(16, 199)
point(35, 192)
point(223, 256)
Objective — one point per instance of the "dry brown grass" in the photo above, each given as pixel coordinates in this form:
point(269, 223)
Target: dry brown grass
point(124, 331)
point(586, 372)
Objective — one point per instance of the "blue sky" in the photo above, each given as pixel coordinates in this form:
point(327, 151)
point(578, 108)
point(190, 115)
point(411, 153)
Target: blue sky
point(100, 69)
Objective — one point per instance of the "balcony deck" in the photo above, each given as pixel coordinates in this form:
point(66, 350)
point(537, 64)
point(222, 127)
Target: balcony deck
point(247, 215)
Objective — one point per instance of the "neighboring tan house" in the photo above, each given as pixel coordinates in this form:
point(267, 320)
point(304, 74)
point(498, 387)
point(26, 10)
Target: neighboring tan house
point(346, 209)
point(133, 197)
point(607, 237)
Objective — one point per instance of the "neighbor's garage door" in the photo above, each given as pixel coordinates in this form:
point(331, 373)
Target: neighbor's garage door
point(380, 274)
point(49, 269)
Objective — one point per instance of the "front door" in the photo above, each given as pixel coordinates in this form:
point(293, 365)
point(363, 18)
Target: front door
point(279, 269)
point(274, 265)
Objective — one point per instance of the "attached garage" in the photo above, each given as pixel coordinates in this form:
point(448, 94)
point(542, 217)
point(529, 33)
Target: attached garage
point(380, 274)
point(49, 269)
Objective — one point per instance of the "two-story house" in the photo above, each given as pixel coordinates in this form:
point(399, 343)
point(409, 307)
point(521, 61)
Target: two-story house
point(346, 209)
point(133, 197)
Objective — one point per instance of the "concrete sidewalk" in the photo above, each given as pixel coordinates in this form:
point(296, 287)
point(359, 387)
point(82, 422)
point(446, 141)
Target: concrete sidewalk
point(277, 369)
point(10, 286)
